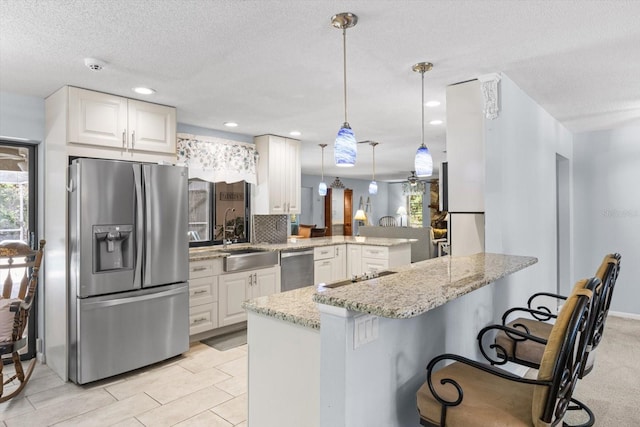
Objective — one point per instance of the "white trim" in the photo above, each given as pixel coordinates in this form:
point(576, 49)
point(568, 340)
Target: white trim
point(625, 315)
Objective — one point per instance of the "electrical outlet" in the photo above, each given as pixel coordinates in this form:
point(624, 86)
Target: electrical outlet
point(365, 330)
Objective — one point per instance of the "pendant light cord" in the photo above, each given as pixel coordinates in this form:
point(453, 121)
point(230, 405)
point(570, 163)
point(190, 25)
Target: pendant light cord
point(422, 72)
point(374, 163)
point(344, 57)
point(322, 164)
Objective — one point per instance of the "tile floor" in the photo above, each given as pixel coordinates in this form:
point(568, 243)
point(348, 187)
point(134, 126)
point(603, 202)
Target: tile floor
point(203, 387)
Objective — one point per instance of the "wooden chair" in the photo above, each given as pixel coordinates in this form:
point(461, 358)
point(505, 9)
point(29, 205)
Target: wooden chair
point(15, 306)
point(527, 349)
point(387, 221)
point(304, 230)
point(318, 232)
point(468, 393)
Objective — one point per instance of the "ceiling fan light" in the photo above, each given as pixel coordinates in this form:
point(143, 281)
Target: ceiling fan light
point(345, 147)
point(423, 162)
point(373, 188)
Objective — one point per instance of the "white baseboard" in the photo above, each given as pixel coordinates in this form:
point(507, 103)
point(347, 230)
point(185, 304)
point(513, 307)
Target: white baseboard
point(625, 315)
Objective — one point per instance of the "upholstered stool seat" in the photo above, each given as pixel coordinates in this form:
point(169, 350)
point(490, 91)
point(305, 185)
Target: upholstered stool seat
point(489, 401)
point(467, 393)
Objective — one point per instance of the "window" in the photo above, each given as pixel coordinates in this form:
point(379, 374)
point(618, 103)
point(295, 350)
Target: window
point(213, 204)
point(414, 209)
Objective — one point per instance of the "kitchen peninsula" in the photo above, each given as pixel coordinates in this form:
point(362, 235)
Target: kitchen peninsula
point(354, 355)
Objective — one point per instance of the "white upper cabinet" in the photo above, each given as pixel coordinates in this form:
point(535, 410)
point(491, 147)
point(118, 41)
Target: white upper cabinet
point(279, 175)
point(105, 120)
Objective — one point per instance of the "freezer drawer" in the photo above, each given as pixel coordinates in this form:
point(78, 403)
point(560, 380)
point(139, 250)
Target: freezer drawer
point(118, 333)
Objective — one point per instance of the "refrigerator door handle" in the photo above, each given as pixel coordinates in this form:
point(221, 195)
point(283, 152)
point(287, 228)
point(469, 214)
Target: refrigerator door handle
point(146, 177)
point(139, 225)
point(130, 300)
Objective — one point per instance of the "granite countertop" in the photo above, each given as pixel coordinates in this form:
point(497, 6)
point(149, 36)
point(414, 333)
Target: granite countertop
point(211, 252)
point(414, 289)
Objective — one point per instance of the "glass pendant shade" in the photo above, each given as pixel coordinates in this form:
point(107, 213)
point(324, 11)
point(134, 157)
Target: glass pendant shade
point(345, 147)
point(423, 162)
point(322, 189)
point(373, 187)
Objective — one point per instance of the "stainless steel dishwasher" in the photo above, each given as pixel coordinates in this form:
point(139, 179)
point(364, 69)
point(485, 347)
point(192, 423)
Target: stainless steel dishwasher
point(296, 268)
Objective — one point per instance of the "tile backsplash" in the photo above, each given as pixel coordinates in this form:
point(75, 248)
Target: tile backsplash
point(269, 229)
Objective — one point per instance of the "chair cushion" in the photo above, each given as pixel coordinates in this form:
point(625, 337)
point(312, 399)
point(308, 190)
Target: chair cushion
point(6, 319)
point(528, 350)
point(488, 400)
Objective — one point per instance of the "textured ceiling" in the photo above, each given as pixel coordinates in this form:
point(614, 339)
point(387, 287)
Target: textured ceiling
point(275, 66)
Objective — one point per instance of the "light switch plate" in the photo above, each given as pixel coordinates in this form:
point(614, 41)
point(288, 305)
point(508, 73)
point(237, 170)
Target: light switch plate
point(365, 330)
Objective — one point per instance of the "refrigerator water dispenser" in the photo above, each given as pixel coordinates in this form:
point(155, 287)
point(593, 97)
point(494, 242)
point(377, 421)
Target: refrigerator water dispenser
point(113, 247)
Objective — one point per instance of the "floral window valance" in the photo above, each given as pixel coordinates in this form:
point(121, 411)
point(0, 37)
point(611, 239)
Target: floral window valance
point(216, 159)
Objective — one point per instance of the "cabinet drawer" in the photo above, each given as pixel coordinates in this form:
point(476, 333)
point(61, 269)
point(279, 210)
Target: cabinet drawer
point(203, 318)
point(205, 268)
point(374, 264)
point(375, 252)
point(323, 252)
point(203, 290)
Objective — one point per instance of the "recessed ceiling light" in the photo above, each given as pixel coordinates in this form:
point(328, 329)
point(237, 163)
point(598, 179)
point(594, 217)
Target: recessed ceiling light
point(432, 103)
point(295, 133)
point(144, 90)
point(435, 122)
point(231, 124)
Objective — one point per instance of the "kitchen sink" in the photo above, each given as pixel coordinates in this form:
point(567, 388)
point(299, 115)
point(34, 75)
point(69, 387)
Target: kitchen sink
point(349, 282)
point(248, 259)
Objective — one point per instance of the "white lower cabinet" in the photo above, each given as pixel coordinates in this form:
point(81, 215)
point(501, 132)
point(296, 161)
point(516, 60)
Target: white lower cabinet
point(203, 295)
point(235, 288)
point(329, 264)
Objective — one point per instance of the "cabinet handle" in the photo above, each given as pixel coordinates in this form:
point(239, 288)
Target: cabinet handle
point(199, 320)
point(124, 141)
point(201, 291)
point(194, 269)
point(326, 263)
point(255, 279)
point(337, 251)
point(251, 280)
point(133, 141)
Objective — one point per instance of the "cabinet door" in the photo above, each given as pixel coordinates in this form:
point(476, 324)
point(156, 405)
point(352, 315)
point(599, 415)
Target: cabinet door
point(277, 175)
point(323, 271)
point(265, 282)
point(152, 127)
point(97, 118)
point(293, 178)
point(354, 261)
point(340, 263)
point(232, 292)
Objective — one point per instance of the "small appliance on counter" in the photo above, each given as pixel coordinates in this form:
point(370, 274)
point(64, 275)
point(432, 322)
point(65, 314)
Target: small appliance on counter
point(129, 266)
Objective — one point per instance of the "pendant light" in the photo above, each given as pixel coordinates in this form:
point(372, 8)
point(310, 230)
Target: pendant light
point(373, 186)
point(423, 161)
point(345, 146)
point(322, 187)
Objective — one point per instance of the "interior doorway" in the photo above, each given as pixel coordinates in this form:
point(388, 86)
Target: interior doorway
point(18, 198)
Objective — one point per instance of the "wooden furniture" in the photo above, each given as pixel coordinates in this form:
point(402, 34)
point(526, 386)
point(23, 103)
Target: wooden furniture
point(279, 176)
point(348, 212)
point(20, 264)
point(468, 393)
point(304, 230)
point(318, 232)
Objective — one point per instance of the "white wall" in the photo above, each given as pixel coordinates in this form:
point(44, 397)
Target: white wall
point(520, 189)
point(606, 174)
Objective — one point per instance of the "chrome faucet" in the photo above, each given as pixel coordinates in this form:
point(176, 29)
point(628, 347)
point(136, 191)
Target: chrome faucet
point(226, 241)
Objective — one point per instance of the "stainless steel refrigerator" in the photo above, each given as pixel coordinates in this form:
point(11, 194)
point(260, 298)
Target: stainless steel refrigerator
point(128, 266)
